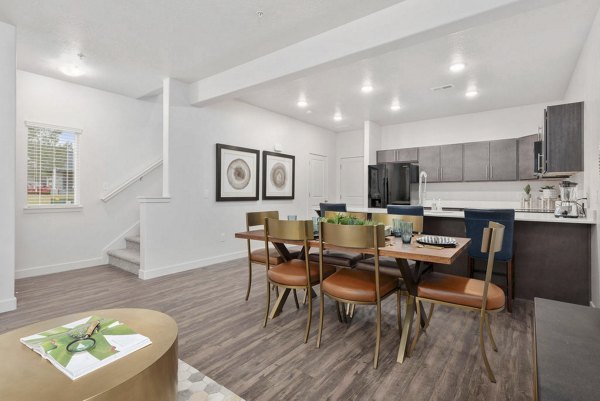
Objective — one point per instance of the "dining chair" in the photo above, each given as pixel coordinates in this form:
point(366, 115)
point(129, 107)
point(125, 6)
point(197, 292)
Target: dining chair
point(387, 264)
point(479, 296)
point(475, 221)
point(256, 220)
point(406, 210)
point(293, 274)
point(356, 287)
point(331, 207)
point(336, 257)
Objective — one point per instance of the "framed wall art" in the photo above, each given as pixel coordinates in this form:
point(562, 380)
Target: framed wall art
point(278, 176)
point(237, 173)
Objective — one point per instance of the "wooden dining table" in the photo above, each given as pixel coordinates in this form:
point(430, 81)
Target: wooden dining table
point(394, 248)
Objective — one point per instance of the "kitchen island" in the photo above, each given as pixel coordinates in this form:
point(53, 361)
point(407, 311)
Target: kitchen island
point(552, 256)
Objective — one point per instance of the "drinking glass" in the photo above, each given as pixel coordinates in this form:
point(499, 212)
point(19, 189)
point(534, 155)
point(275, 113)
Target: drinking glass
point(315, 221)
point(292, 217)
point(397, 227)
point(407, 232)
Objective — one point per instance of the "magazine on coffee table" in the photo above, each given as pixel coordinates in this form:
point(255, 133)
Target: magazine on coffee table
point(85, 345)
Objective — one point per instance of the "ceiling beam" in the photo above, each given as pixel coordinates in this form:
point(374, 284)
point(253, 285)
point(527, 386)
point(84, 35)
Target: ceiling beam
point(404, 24)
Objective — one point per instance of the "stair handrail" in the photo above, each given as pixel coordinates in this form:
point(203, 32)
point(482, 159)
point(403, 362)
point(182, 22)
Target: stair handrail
point(137, 177)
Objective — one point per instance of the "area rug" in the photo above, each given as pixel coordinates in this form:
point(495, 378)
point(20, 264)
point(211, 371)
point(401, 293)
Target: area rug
point(196, 386)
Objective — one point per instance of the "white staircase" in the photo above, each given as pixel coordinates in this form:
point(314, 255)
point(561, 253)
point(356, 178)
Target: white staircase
point(127, 258)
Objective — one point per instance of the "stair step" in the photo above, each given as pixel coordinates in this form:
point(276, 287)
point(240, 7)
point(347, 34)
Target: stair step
point(133, 242)
point(127, 259)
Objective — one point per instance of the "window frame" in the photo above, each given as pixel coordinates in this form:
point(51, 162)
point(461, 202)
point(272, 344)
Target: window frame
point(59, 207)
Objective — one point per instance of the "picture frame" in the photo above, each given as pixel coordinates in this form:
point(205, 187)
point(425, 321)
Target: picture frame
point(237, 173)
point(279, 176)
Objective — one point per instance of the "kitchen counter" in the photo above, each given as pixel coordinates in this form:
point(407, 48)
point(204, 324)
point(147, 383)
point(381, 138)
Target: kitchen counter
point(519, 216)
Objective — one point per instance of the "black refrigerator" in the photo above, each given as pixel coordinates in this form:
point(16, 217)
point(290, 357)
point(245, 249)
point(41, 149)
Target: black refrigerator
point(389, 183)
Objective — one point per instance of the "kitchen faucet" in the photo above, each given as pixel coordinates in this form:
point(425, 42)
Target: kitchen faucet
point(422, 187)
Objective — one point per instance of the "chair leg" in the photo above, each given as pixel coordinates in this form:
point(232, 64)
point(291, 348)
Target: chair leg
point(378, 340)
point(489, 330)
point(429, 315)
point(321, 310)
point(399, 311)
point(249, 278)
point(482, 348)
point(418, 327)
point(304, 299)
point(268, 303)
point(337, 307)
point(509, 286)
point(296, 299)
point(309, 318)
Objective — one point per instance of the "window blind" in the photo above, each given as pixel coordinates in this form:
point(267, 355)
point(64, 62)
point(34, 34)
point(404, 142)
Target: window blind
point(52, 166)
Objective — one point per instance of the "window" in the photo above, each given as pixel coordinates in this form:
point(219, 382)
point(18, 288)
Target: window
point(52, 166)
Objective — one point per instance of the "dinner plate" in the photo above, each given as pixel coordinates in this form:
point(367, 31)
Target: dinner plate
point(437, 240)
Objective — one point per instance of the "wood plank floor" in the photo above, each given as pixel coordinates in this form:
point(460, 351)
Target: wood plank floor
point(222, 336)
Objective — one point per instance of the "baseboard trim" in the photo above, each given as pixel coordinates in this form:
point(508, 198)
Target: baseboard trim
point(8, 304)
point(592, 304)
point(194, 264)
point(57, 268)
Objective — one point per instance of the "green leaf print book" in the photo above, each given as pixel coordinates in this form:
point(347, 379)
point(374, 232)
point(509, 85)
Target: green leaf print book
point(81, 347)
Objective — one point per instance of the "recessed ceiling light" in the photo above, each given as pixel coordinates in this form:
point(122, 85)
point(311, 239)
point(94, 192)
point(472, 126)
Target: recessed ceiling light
point(308, 111)
point(367, 88)
point(457, 67)
point(337, 116)
point(302, 103)
point(395, 106)
point(72, 70)
point(471, 92)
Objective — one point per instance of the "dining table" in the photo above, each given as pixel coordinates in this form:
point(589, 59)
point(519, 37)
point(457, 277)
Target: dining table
point(394, 248)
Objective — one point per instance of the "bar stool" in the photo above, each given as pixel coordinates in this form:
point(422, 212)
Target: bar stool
point(475, 221)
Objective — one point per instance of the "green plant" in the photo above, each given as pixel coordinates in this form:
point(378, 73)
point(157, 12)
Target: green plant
point(546, 187)
point(527, 189)
point(346, 220)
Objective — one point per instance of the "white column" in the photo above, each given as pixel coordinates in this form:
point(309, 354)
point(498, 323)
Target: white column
point(372, 143)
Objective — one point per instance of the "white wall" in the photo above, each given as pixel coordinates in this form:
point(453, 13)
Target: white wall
point(194, 230)
point(347, 144)
point(585, 85)
point(490, 125)
point(121, 136)
point(7, 167)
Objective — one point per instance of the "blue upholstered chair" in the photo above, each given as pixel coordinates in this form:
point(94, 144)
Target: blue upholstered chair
point(405, 210)
point(331, 207)
point(475, 221)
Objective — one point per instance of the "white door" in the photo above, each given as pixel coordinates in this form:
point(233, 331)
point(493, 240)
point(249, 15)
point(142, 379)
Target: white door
point(317, 182)
point(351, 181)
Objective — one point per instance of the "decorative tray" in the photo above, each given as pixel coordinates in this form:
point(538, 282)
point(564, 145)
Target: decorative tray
point(436, 240)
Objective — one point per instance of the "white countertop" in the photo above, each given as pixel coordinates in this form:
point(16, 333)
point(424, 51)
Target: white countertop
point(519, 216)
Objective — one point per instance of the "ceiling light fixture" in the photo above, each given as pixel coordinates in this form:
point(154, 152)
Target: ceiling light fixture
point(72, 70)
point(457, 67)
point(471, 92)
point(302, 103)
point(367, 88)
point(395, 106)
point(337, 116)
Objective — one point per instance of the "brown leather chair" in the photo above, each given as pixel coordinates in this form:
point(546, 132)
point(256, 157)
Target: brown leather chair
point(467, 293)
point(293, 274)
point(335, 257)
point(256, 220)
point(356, 287)
point(388, 265)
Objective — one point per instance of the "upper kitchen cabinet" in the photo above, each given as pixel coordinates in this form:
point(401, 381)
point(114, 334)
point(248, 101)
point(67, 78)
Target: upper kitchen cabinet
point(528, 163)
point(503, 160)
point(429, 161)
point(451, 163)
point(407, 155)
point(385, 156)
point(563, 138)
point(476, 161)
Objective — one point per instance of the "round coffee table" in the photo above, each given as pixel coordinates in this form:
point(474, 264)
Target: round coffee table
point(149, 374)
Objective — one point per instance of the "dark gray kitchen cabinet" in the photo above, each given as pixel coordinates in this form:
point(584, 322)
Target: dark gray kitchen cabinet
point(385, 156)
point(476, 159)
point(503, 160)
point(451, 163)
point(407, 155)
point(563, 138)
point(429, 161)
point(527, 161)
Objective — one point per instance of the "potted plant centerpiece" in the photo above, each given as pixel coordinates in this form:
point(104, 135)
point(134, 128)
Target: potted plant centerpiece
point(548, 192)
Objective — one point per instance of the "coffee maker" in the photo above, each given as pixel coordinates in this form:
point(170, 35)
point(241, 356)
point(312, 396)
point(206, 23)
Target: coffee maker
point(567, 206)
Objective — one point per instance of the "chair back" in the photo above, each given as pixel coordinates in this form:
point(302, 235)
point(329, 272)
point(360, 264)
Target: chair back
point(359, 215)
point(406, 210)
point(475, 222)
point(285, 230)
point(388, 220)
point(258, 218)
point(492, 239)
point(331, 207)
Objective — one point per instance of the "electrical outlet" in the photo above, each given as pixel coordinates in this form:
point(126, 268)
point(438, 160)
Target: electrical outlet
point(222, 237)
